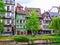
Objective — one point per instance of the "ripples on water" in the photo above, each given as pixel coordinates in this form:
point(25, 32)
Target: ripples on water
point(49, 44)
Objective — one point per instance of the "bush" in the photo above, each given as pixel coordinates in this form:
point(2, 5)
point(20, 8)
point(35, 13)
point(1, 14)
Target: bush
point(55, 40)
point(32, 42)
point(20, 38)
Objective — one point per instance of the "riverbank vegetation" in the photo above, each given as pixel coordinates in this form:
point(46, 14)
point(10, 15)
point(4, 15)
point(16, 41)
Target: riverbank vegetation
point(33, 38)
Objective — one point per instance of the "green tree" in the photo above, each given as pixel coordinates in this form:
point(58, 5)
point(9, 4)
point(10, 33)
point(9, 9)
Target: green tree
point(33, 23)
point(2, 6)
point(2, 12)
point(55, 24)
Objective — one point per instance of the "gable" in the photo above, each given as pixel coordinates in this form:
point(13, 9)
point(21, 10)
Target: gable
point(46, 18)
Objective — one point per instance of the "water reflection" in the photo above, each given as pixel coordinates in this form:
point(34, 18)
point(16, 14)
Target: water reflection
point(49, 44)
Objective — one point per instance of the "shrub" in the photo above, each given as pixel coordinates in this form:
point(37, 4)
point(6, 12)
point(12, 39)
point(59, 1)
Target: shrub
point(20, 38)
point(32, 42)
point(55, 40)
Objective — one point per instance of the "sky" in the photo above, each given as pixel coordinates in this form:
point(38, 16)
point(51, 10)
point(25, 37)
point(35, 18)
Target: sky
point(42, 4)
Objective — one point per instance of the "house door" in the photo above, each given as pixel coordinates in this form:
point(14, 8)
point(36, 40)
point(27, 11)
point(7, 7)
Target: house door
point(18, 32)
point(29, 32)
point(12, 31)
point(21, 33)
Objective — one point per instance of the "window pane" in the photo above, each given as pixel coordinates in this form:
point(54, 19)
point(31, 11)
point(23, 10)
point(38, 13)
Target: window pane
point(8, 21)
point(12, 8)
point(23, 21)
point(17, 26)
point(8, 14)
point(8, 8)
point(8, 29)
point(24, 27)
point(21, 26)
point(12, 1)
point(20, 21)
point(8, 1)
point(17, 21)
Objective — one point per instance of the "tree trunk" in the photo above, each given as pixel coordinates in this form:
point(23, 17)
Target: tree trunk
point(33, 33)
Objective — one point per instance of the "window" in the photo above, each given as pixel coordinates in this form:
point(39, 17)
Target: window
point(8, 1)
point(12, 1)
point(20, 21)
point(8, 21)
point(8, 8)
point(45, 21)
point(24, 32)
point(23, 21)
point(20, 16)
point(12, 8)
point(17, 26)
point(44, 26)
point(23, 16)
point(17, 21)
point(8, 14)
point(12, 15)
point(24, 27)
point(46, 16)
point(21, 26)
point(11, 21)
point(8, 29)
point(21, 33)
point(18, 32)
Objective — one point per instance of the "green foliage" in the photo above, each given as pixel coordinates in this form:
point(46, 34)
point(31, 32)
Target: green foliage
point(2, 11)
point(33, 23)
point(55, 24)
point(2, 6)
point(21, 38)
point(1, 27)
point(55, 40)
point(32, 42)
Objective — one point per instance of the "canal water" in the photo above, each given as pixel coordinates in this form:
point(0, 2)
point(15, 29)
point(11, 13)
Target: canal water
point(49, 44)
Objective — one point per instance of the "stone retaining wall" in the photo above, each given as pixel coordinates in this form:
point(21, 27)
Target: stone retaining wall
point(22, 43)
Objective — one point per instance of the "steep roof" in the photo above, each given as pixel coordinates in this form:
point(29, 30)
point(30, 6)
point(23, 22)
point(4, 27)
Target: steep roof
point(28, 10)
point(53, 14)
point(46, 16)
point(19, 5)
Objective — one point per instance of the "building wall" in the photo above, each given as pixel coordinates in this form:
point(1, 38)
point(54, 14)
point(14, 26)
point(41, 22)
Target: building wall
point(20, 24)
point(9, 15)
point(7, 29)
point(45, 22)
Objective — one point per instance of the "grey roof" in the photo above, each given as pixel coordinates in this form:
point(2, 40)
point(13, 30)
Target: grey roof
point(53, 14)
